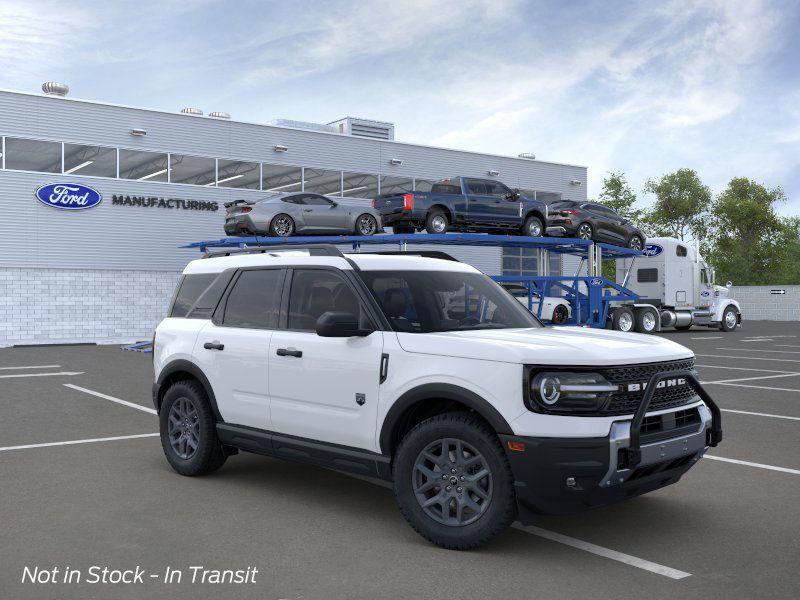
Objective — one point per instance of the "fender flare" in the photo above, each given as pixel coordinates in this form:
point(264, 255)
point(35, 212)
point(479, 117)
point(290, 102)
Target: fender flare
point(182, 365)
point(440, 391)
point(723, 306)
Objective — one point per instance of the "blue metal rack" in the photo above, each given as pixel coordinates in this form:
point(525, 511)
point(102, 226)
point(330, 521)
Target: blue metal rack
point(589, 296)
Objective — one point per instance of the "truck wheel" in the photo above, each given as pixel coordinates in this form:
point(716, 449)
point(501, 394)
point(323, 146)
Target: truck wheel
point(635, 243)
point(188, 430)
point(623, 320)
point(281, 226)
point(645, 321)
point(533, 227)
point(453, 483)
point(436, 222)
point(729, 320)
point(560, 314)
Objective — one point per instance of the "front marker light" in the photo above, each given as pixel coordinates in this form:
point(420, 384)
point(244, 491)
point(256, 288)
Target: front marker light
point(571, 391)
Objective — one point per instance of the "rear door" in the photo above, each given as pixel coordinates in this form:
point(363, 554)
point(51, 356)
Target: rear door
point(323, 388)
point(488, 205)
point(232, 349)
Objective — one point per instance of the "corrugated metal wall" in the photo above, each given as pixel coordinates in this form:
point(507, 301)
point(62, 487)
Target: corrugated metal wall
point(123, 237)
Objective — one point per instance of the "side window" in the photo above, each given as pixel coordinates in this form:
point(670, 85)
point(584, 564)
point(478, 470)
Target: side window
point(191, 287)
point(254, 300)
point(445, 188)
point(317, 291)
point(681, 251)
point(294, 199)
point(647, 275)
point(316, 200)
point(476, 186)
point(495, 188)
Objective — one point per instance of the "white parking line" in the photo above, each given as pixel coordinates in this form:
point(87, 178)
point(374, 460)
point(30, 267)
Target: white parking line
point(73, 442)
point(742, 369)
point(758, 350)
point(744, 378)
point(758, 340)
point(605, 552)
point(792, 360)
point(17, 375)
point(569, 541)
point(31, 367)
point(757, 414)
point(747, 385)
point(752, 464)
point(708, 337)
point(787, 346)
point(152, 411)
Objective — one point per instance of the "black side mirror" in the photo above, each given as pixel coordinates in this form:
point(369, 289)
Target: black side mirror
point(334, 204)
point(340, 324)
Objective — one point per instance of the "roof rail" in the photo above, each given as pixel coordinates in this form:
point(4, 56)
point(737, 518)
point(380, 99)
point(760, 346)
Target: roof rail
point(313, 250)
point(424, 253)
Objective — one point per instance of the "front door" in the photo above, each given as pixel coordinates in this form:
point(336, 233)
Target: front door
point(324, 388)
point(233, 350)
point(323, 214)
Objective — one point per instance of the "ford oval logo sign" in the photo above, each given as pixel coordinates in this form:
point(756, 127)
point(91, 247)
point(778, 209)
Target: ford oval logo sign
point(652, 250)
point(68, 196)
point(705, 293)
point(596, 282)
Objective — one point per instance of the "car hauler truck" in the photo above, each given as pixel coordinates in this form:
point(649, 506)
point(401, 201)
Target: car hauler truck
point(675, 288)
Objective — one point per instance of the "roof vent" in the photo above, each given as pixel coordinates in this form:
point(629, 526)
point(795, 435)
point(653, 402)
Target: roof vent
point(219, 115)
point(527, 156)
point(51, 88)
point(376, 130)
point(303, 125)
point(192, 111)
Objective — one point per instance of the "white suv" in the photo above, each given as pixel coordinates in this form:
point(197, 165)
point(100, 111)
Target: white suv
point(425, 372)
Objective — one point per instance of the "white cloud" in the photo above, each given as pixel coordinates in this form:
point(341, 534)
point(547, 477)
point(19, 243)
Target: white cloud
point(34, 36)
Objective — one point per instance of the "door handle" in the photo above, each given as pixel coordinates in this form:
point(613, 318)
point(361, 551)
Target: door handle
point(289, 352)
point(308, 210)
point(215, 345)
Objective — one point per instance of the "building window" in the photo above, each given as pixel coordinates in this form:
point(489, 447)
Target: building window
point(359, 185)
point(237, 174)
point(280, 178)
point(97, 161)
point(143, 166)
point(320, 181)
point(520, 261)
point(194, 170)
point(396, 185)
point(33, 155)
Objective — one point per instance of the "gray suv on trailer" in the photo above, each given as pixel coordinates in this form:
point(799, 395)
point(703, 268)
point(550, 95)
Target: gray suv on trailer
point(287, 214)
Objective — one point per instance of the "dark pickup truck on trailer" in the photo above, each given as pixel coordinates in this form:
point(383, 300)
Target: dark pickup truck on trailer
point(464, 204)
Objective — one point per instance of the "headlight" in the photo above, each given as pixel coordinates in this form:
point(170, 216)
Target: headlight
point(566, 391)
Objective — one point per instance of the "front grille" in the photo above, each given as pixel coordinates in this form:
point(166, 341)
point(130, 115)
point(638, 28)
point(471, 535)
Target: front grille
point(669, 425)
point(626, 402)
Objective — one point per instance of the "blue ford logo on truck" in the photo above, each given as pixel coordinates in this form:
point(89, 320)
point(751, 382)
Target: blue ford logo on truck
point(652, 250)
point(68, 196)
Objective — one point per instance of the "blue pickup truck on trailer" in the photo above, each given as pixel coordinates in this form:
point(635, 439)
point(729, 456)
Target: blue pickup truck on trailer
point(464, 204)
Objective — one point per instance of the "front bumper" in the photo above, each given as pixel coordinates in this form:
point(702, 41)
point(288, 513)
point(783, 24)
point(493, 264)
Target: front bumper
point(556, 476)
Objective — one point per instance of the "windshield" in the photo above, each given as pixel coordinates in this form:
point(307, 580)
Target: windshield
point(434, 301)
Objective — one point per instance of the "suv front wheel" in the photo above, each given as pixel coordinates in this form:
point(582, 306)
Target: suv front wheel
point(453, 482)
point(188, 430)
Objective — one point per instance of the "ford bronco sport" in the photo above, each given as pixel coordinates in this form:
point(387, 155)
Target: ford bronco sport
point(424, 372)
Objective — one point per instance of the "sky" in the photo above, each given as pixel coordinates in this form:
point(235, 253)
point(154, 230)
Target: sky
point(640, 87)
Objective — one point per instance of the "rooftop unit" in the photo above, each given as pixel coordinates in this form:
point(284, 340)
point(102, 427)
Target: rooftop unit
point(303, 125)
point(376, 130)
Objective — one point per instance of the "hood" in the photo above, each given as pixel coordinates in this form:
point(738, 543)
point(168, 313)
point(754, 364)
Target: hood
point(720, 291)
point(561, 346)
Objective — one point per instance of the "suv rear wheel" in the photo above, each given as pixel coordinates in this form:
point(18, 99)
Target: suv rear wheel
point(188, 430)
point(453, 482)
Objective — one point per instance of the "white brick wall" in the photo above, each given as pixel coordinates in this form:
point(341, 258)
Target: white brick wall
point(759, 304)
point(52, 306)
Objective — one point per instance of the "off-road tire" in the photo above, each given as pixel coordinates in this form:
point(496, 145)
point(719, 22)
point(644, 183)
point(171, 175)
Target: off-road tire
point(209, 455)
point(501, 510)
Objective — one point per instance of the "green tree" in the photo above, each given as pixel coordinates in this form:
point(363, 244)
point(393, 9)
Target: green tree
point(618, 195)
point(681, 205)
point(751, 244)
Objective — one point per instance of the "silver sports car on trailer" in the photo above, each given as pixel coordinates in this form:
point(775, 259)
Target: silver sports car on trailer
point(286, 214)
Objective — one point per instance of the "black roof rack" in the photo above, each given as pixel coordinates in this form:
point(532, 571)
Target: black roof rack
point(313, 250)
point(424, 253)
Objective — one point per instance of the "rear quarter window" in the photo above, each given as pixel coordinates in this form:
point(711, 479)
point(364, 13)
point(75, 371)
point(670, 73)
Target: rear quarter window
point(190, 288)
